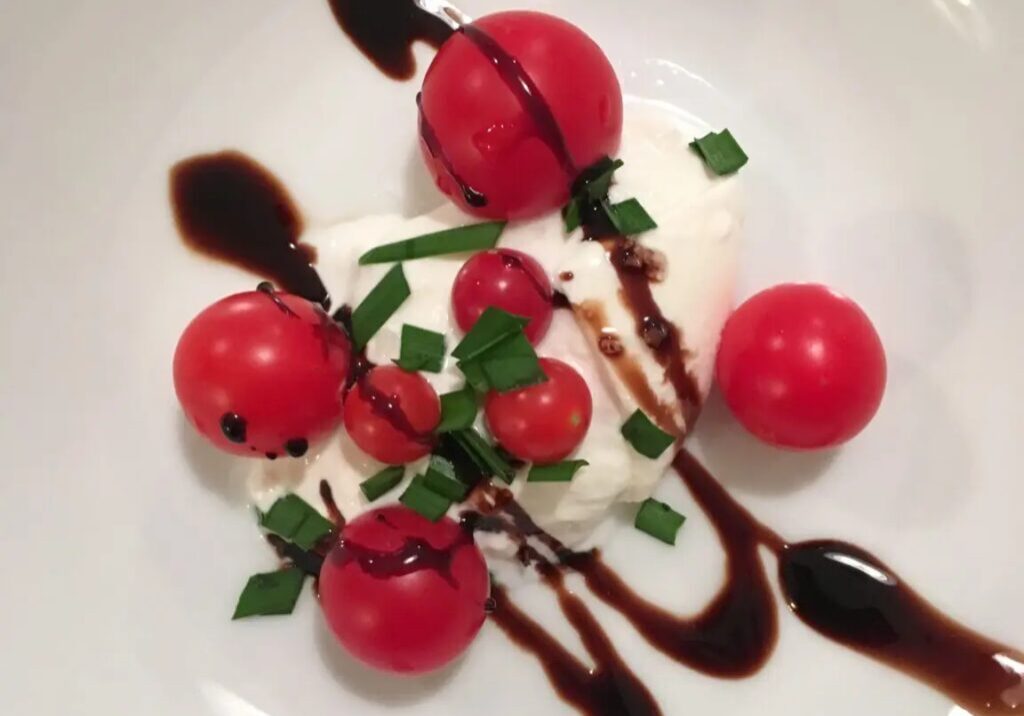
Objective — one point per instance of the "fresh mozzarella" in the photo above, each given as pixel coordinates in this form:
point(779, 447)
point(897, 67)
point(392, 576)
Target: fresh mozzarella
point(699, 221)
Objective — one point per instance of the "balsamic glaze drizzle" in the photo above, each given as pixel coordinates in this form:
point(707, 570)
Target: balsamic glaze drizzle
point(229, 207)
point(518, 80)
point(436, 150)
point(386, 29)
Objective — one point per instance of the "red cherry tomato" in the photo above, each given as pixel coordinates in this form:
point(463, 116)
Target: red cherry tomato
point(543, 423)
point(488, 137)
point(506, 279)
point(391, 414)
point(404, 594)
point(801, 366)
point(262, 373)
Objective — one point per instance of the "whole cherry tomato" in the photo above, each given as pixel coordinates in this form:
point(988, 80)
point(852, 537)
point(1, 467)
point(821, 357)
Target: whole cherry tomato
point(391, 414)
point(801, 366)
point(506, 279)
point(261, 373)
point(513, 108)
point(404, 594)
point(542, 423)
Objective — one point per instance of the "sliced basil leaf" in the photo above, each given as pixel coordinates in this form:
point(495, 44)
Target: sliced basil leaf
point(383, 482)
point(721, 152)
point(297, 521)
point(493, 326)
point(422, 499)
point(458, 410)
point(557, 472)
point(659, 520)
point(475, 237)
point(631, 218)
point(646, 438)
point(421, 350)
point(271, 593)
point(378, 306)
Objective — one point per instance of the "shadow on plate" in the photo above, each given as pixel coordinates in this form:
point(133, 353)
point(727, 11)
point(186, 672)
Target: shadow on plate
point(739, 460)
point(382, 688)
point(219, 472)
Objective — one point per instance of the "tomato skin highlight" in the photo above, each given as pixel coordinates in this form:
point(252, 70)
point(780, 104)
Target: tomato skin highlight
point(542, 423)
point(391, 413)
point(274, 361)
point(801, 366)
point(416, 621)
point(505, 279)
point(490, 139)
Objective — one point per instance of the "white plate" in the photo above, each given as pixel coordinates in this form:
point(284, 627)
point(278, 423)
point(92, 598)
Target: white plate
point(887, 154)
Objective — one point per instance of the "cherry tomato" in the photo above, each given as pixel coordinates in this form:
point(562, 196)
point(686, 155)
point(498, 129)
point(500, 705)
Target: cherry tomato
point(488, 139)
point(391, 414)
point(801, 366)
point(262, 372)
point(543, 423)
point(506, 279)
point(404, 594)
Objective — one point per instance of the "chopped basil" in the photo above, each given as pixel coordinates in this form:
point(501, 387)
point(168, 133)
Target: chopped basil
point(659, 520)
point(475, 375)
point(572, 215)
point(383, 482)
point(270, 593)
point(440, 477)
point(422, 499)
point(484, 455)
point(496, 355)
point(295, 520)
point(720, 152)
point(463, 463)
point(630, 218)
point(458, 410)
point(597, 179)
point(493, 326)
point(557, 472)
point(646, 438)
point(512, 364)
point(590, 189)
point(421, 350)
point(378, 306)
point(475, 237)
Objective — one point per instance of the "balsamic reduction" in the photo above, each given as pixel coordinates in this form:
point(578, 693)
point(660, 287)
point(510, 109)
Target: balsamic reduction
point(296, 447)
point(229, 207)
point(234, 427)
point(384, 30)
point(436, 150)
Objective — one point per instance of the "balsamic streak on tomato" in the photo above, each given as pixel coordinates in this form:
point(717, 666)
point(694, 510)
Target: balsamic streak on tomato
point(519, 82)
point(433, 145)
point(231, 208)
point(389, 407)
point(384, 30)
point(414, 555)
point(382, 404)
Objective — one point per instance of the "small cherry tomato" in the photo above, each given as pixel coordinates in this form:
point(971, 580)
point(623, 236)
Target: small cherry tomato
point(404, 594)
point(391, 414)
point(493, 155)
point(506, 279)
point(261, 373)
point(801, 366)
point(542, 423)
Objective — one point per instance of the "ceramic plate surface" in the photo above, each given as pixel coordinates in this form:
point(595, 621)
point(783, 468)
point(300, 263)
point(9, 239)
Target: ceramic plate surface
point(886, 150)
